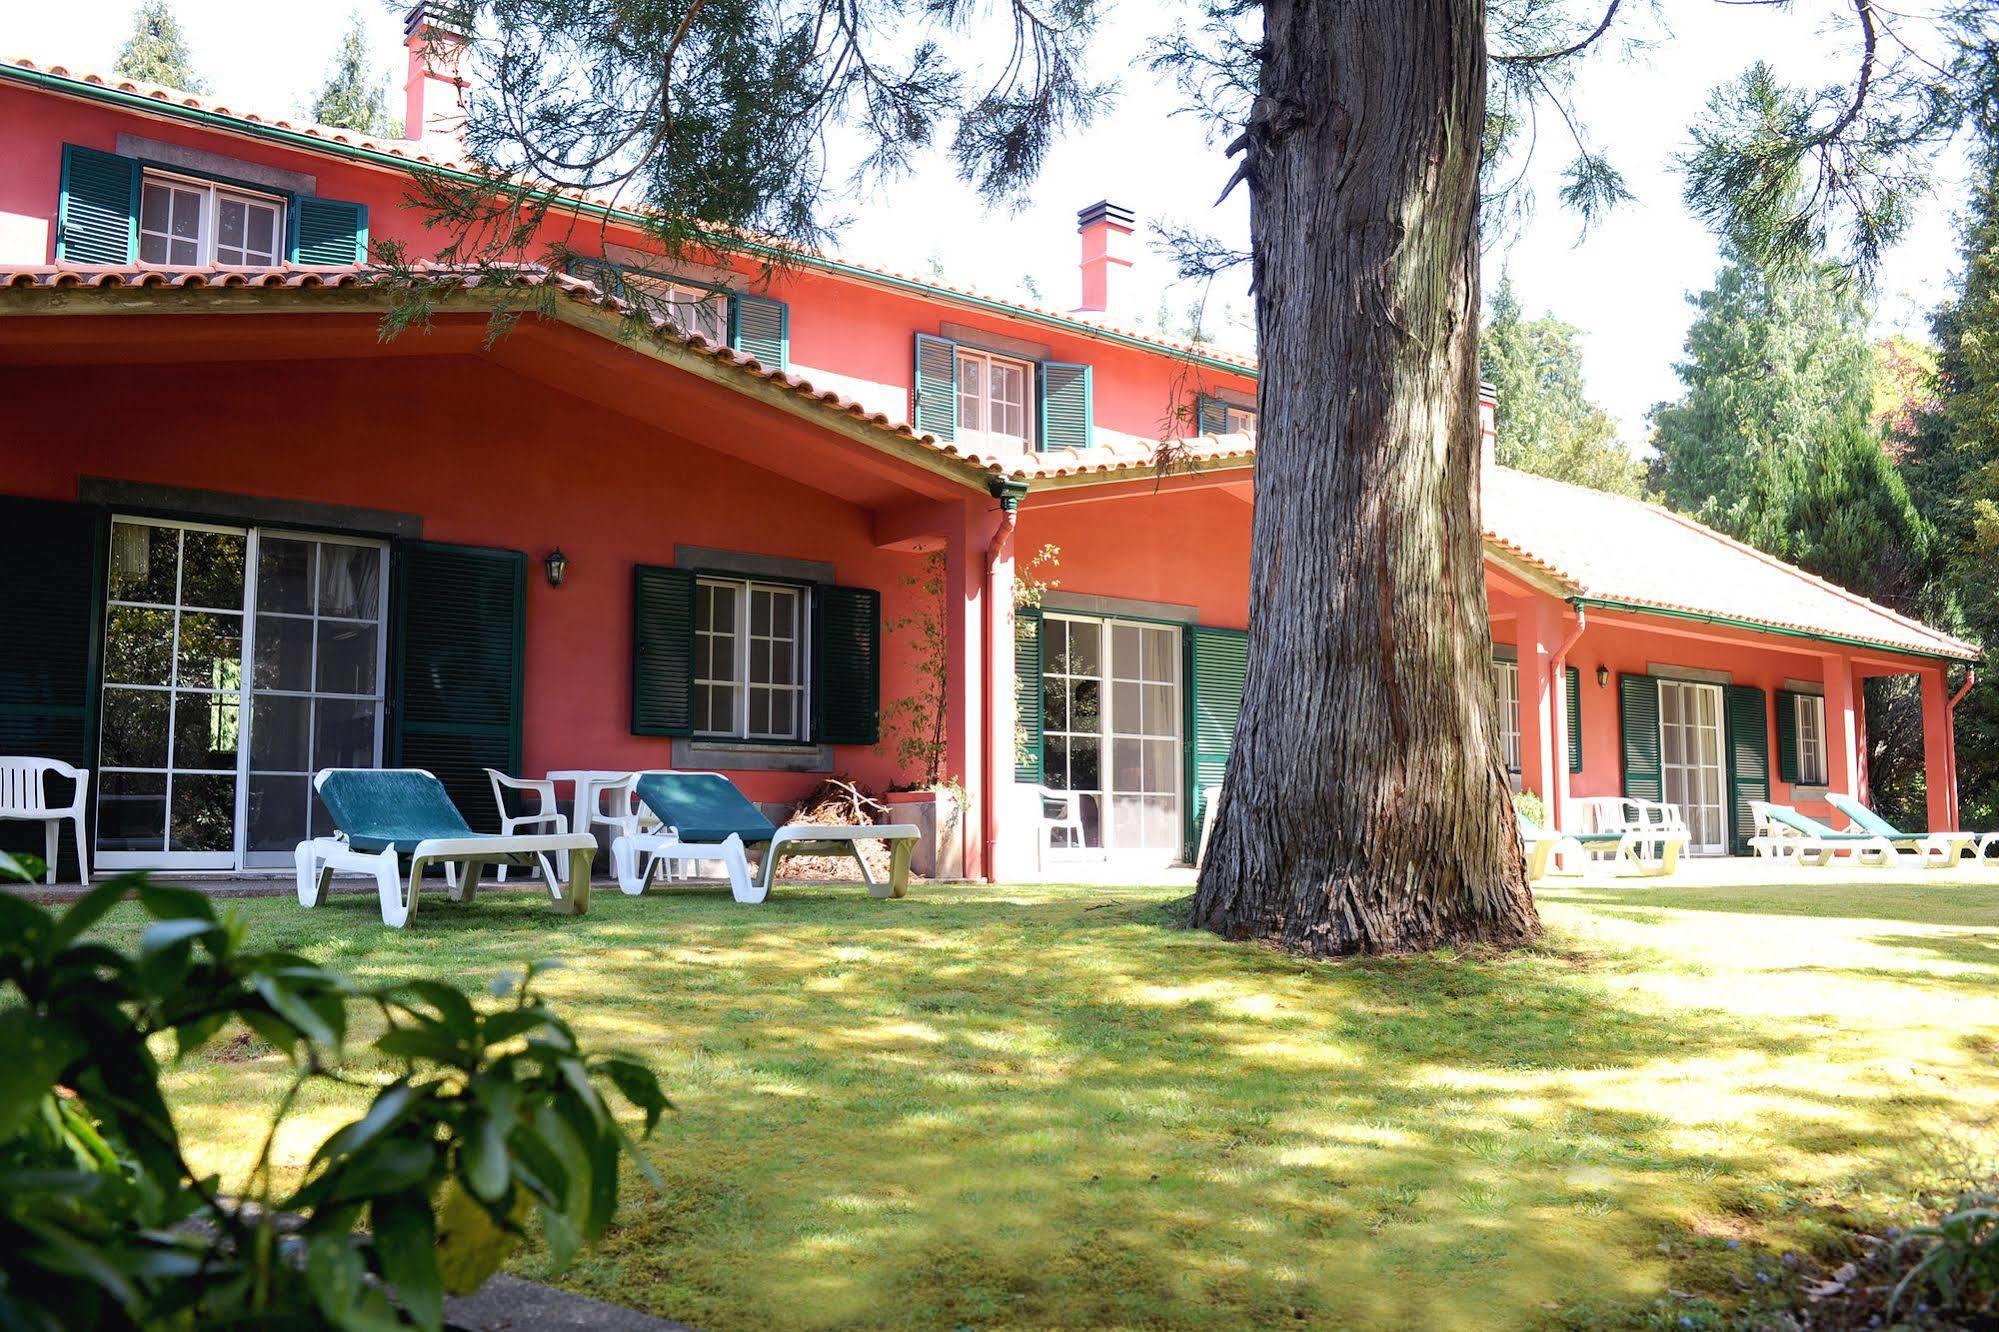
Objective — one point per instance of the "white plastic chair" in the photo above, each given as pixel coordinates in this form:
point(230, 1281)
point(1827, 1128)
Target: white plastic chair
point(544, 815)
point(1056, 811)
point(627, 816)
point(24, 797)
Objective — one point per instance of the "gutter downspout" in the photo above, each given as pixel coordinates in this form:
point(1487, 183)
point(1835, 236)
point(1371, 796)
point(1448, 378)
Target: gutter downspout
point(999, 749)
point(1558, 780)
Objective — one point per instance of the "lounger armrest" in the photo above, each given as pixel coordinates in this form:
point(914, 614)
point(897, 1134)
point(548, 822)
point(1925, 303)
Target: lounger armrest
point(804, 832)
point(451, 848)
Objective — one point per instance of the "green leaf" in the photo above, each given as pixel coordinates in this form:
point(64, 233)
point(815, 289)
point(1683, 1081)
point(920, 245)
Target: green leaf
point(335, 1275)
point(482, 1158)
point(390, 1107)
point(165, 934)
point(498, 1028)
point(417, 1043)
point(386, 1166)
point(406, 1250)
point(293, 1009)
point(637, 1084)
point(11, 868)
point(453, 1010)
point(86, 911)
point(167, 902)
point(33, 1053)
point(191, 1036)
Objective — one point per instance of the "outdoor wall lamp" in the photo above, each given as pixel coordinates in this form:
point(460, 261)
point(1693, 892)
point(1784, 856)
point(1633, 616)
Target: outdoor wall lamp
point(1602, 677)
point(558, 567)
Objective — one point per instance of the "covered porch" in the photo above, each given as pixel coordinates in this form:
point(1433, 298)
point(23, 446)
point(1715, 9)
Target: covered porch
point(251, 538)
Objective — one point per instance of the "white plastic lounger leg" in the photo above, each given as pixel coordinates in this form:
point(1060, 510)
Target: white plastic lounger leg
point(314, 874)
point(900, 849)
point(571, 897)
point(398, 901)
point(735, 858)
point(867, 875)
point(462, 886)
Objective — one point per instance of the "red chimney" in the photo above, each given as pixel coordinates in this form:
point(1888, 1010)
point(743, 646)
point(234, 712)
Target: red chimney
point(435, 91)
point(1488, 424)
point(1106, 231)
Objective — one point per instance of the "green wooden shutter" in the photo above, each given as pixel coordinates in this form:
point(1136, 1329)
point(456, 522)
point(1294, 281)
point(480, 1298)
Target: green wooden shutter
point(1572, 681)
point(1216, 659)
point(1638, 720)
point(1030, 744)
point(934, 401)
point(1065, 405)
point(328, 231)
point(761, 327)
point(1748, 759)
point(846, 665)
point(662, 651)
point(1787, 736)
point(51, 604)
point(97, 210)
point(461, 623)
point(1210, 415)
point(606, 277)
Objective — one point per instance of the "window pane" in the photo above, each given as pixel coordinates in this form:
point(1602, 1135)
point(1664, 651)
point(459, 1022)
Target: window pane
point(1085, 648)
point(145, 563)
point(284, 653)
point(1054, 704)
point(211, 651)
point(784, 713)
point(184, 252)
point(346, 658)
point(284, 575)
point(1086, 763)
point(350, 581)
point(155, 207)
point(152, 249)
point(229, 226)
point(186, 215)
point(760, 661)
point(1086, 706)
point(1160, 716)
point(783, 666)
point(1055, 762)
point(263, 235)
point(131, 811)
point(277, 812)
point(343, 734)
point(212, 566)
point(138, 645)
point(204, 813)
point(135, 728)
point(759, 712)
point(280, 737)
point(205, 730)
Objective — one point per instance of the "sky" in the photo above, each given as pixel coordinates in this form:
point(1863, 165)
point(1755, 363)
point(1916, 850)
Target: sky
point(1625, 285)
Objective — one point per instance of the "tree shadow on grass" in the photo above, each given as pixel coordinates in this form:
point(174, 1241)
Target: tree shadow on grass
point(1063, 1110)
point(1941, 902)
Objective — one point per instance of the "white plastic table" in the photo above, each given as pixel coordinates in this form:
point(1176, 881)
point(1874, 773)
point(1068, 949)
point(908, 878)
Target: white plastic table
point(590, 784)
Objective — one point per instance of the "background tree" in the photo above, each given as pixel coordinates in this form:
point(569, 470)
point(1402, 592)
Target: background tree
point(1365, 808)
point(1546, 421)
point(156, 52)
point(355, 95)
point(1953, 464)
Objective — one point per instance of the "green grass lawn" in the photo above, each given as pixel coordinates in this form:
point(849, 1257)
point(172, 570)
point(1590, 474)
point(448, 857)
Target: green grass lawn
point(1050, 1106)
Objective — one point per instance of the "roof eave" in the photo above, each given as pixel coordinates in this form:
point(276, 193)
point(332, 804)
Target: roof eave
point(1955, 651)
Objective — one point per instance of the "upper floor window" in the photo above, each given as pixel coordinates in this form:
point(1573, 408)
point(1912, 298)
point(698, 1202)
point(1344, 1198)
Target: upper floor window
point(993, 396)
point(749, 660)
point(1238, 421)
point(1811, 738)
point(184, 221)
point(695, 310)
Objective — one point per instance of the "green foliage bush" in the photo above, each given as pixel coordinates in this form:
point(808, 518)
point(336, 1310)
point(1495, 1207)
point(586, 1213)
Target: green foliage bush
point(1529, 804)
point(492, 1115)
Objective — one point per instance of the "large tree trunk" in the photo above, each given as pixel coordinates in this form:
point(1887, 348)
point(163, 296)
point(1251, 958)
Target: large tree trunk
point(1366, 808)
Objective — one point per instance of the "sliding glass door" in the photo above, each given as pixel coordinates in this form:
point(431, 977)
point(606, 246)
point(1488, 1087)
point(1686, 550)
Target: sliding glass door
point(1690, 750)
point(224, 690)
point(1111, 705)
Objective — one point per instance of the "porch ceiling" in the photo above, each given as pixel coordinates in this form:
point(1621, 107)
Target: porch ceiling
point(707, 396)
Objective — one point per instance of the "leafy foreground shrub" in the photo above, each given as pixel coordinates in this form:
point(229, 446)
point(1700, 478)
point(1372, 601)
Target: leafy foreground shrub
point(493, 1116)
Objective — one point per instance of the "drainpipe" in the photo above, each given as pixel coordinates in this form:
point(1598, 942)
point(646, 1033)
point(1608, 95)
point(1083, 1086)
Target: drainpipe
point(999, 749)
point(1558, 780)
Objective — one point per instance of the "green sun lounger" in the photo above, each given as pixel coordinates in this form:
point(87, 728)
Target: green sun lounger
point(703, 817)
point(1938, 850)
point(383, 814)
point(1811, 841)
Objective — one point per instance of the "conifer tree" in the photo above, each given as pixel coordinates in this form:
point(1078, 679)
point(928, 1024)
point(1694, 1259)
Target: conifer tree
point(156, 52)
point(354, 95)
point(1546, 422)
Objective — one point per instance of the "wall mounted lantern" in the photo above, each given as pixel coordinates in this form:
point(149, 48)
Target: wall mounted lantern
point(1602, 677)
point(558, 567)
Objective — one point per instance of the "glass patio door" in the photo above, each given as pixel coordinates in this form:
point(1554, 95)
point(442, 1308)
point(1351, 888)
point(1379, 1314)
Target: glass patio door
point(1112, 731)
point(236, 662)
point(1690, 749)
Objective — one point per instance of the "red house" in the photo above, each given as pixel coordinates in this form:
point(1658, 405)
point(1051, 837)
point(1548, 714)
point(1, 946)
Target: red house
point(245, 537)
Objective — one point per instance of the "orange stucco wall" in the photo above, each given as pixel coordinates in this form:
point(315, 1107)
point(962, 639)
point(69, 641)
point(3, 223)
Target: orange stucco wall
point(486, 459)
point(851, 337)
point(1186, 548)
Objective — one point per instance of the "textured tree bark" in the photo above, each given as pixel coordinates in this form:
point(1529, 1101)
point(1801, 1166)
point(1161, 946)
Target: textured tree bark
point(1366, 809)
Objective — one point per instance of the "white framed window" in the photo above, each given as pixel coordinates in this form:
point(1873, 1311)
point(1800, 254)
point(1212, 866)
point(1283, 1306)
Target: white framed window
point(1506, 702)
point(193, 222)
point(750, 668)
point(1239, 421)
point(693, 309)
point(994, 398)
point(1809, 709)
